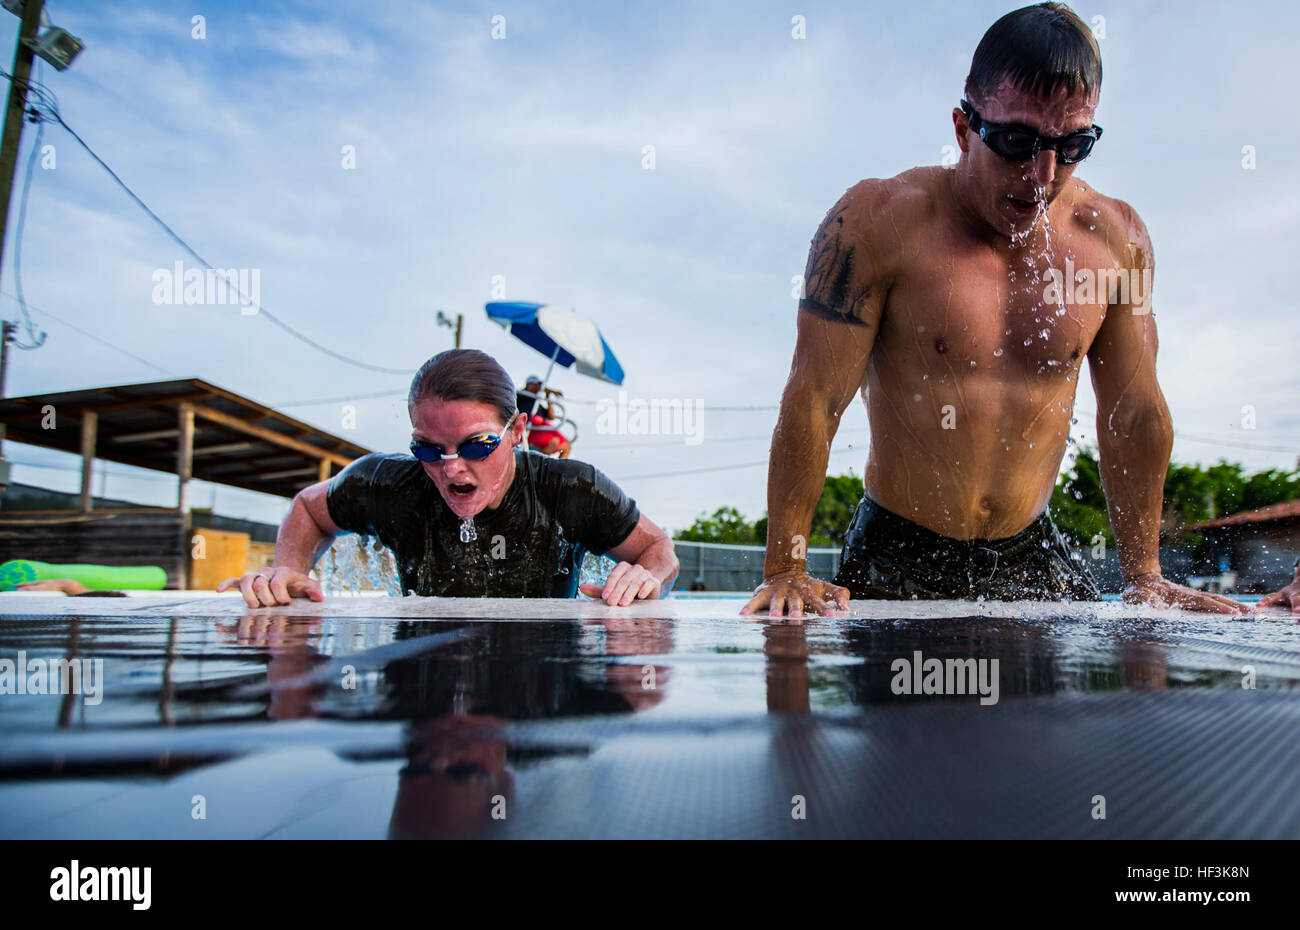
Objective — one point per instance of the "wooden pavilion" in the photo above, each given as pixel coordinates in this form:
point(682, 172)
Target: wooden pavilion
point(189, 428)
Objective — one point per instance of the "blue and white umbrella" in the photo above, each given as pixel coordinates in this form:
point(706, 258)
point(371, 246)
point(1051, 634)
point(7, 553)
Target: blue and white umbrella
point(565, 337)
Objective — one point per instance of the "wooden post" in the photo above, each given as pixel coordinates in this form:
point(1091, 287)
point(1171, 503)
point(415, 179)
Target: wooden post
point(89, 427)
point(324, 474)
point(184, 455)
point(184, 468)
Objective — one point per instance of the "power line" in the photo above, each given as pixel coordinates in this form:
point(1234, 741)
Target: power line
point(1211, 440)
point(90, 335)
point(104, 471)
point(36, 342)
point(48, 108)
point(321, 401)
point(662, 443)
point(712, 468)
point(670, 442)
point(1188, 437)
point(562, 400)
point(743, 465)
point(748, 408)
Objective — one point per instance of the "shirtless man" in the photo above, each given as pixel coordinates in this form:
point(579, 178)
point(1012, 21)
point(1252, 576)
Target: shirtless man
point(940, 295)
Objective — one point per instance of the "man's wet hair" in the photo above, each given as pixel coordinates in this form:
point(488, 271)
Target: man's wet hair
point(465, 374)
point(1039, 49)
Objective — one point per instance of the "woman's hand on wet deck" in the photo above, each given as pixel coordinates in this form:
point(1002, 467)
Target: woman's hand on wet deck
point(788, 593)
point(625, 584)
point(1154, 590)
point(275, 586)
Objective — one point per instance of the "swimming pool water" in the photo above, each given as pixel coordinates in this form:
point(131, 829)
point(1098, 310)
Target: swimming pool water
point(373, 717)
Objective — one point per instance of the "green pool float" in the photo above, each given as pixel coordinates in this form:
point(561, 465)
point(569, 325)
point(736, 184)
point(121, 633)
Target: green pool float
point(94, 577)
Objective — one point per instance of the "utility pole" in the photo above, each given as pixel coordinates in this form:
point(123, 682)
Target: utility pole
point(6, 333)
point(5, 339)
point(14, 115)
point(443, 320)
point(13, 132)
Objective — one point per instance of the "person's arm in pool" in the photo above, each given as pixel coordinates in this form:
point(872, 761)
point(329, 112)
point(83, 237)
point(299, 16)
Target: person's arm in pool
point(647, 566)
point(837, 324)
point(1135, 437)
point(305, 533)
point(1287, 597)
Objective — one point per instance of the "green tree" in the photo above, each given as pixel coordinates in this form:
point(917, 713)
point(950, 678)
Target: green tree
point(1078, 503)
point(1189, 498)
point(724, 525)
point(839, 497)
point(1192, 495)
point(1270, 487)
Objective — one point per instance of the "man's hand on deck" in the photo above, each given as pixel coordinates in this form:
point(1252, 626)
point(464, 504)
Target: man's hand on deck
point(1154, 590)
point(274, 586)
point(1287, 597)
point(788, 593)
point(625, 584)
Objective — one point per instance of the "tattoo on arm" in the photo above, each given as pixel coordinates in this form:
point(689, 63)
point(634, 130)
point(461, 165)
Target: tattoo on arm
point(830, 288)
point(826, 313)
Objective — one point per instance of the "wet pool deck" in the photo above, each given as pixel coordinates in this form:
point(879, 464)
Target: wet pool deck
point(202, 604)
point(371, 717)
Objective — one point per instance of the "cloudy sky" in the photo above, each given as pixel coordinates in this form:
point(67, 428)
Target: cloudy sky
point(522, 157)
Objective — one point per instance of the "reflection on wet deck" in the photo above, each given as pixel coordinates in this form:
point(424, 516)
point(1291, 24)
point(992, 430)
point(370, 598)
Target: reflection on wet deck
point(420, 717)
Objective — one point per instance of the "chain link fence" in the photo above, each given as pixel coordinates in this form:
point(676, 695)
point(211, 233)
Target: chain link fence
point(733, 568)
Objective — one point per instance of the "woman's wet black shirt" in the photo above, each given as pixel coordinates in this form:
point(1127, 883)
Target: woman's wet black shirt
point(530, 546)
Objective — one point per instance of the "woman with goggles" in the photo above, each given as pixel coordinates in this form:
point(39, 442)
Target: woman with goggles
point(470, 513)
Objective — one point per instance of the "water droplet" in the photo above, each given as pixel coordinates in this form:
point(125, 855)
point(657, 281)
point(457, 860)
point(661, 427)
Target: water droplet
point(996, 353)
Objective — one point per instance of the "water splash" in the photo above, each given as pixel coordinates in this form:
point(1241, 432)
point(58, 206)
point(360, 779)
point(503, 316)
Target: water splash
point(356, 564)
point(467, 532)
point(595, 569)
